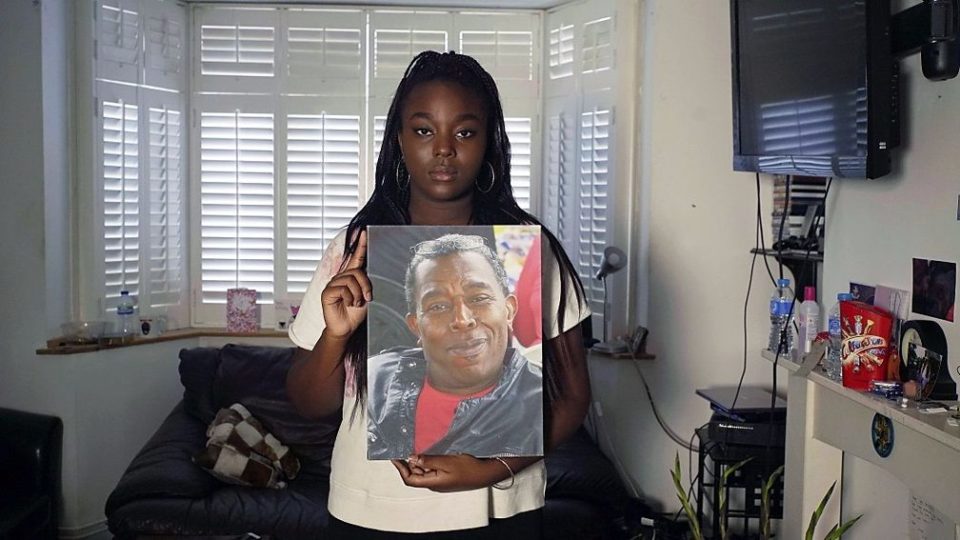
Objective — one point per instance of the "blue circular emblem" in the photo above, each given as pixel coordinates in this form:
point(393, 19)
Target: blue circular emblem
point(881, 433)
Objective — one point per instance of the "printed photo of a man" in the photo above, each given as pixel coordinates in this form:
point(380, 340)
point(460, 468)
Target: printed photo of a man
point(465, 384)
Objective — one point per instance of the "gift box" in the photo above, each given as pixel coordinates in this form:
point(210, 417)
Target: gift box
point(285, 311)
point(865, 347)
point(243, 313)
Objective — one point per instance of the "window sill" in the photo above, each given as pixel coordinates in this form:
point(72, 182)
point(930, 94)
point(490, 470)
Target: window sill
point(56, 346)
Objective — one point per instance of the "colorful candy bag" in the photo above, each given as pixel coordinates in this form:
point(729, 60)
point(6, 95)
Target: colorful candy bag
point(865, 348)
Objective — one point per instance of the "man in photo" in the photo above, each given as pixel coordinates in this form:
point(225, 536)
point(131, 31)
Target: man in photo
point(466, 389)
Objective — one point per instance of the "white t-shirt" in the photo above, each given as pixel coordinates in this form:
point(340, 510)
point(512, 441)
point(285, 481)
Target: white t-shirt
point(371, 494)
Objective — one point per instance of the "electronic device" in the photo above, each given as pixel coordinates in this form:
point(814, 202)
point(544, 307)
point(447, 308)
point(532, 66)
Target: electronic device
point(758, 433)
point(813, 87)
point(745, 418)
point(816, 82)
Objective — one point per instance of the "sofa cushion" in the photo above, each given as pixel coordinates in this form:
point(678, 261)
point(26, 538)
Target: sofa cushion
point(198, 371)
point(163, 467)
point(298, 512)
point(256, 377)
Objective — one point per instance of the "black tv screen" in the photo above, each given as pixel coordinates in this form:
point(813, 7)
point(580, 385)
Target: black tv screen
point(813, 87)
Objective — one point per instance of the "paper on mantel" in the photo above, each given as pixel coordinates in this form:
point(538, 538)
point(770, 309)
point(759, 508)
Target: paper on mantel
point(928, 523)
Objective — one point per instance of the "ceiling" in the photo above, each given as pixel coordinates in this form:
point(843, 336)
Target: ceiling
point(457, 4)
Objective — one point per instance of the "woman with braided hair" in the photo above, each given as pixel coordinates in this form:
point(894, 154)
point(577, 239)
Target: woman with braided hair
point(445, 160)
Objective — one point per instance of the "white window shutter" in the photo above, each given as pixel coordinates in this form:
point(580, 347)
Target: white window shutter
point(120, 198)
point(323, 181)
point(521, 155)
point(237, 49)
point(165, 45)
point(559, 181)
point(507, 45)
point(508, 56)
point(323, 51)
point(394, 48)
point(561, 51)
point(597, 50)
point(119, 40)
point(165, 258)
point(237, 204)
point(397, 37)
point(594, 161)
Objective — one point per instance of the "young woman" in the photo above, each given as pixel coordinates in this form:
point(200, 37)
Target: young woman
point(445, 160)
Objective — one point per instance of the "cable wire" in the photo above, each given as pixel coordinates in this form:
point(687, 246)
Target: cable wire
point(656, 413)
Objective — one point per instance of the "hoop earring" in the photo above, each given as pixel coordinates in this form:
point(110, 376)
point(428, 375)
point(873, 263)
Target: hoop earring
point(493, 179)
point(402, 185)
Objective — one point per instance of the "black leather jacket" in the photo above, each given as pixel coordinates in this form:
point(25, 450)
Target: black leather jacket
point(508, 421)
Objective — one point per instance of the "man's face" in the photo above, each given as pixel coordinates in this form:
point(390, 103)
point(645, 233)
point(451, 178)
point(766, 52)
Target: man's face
point(463, 320)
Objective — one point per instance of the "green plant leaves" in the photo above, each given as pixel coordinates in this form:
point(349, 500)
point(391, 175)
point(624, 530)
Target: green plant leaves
point(765, 502)
point(723, 494)
point(684, 500)
point(815, 516)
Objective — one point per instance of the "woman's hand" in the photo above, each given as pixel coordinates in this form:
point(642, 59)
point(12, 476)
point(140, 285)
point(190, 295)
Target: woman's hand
point(460, 472)
point(346, 296)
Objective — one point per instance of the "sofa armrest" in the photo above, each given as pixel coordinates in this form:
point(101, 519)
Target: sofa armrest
point(164, 466)
point(30, 453)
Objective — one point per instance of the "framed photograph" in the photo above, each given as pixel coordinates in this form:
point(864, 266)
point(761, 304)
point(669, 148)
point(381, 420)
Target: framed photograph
point(934, 288)
point(454, 334)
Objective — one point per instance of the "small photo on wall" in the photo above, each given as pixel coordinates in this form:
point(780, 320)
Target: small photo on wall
point(934, 288)
point(863, 293)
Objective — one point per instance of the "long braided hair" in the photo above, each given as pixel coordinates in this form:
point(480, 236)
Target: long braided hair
point(389, 202)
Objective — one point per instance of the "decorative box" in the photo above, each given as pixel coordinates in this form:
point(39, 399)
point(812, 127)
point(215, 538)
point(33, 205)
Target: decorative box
point(865, 349)
point(243, 313)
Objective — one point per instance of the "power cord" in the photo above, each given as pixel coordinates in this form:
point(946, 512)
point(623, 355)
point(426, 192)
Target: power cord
point(656, 413)
point(758, 242)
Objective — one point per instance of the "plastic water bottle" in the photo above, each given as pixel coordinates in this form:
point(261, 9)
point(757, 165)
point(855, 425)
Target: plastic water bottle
point(833, 363)
point(127, 326)
point(781, 304)
point(809, 317)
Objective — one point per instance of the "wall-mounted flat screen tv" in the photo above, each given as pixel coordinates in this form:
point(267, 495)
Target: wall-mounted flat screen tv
point(814, 87)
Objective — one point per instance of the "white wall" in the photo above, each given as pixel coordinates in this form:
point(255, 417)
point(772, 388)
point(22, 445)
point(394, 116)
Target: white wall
point(57, 31)
point(875, 228)
point(700, 228)
point(88, 391)
point(699, 231)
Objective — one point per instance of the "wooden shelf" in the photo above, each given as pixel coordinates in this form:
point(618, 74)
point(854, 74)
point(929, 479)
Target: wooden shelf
point(622, 356)
point(925, 452)
point(172, 335)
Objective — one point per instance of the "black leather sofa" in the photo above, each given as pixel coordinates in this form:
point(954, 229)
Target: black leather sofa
point(31, 446)
point(163, 493)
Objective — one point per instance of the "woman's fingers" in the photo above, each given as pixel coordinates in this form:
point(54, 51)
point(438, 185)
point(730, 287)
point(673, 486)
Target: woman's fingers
point(341, 293)
point(353, 294)
point(359, 257)
point(357, 282)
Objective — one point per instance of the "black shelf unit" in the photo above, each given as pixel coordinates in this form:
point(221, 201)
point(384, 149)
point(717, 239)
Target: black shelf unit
point(802, 264)
point(743, 488)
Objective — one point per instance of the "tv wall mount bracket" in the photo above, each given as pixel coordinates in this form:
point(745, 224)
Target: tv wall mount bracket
point(932, 28)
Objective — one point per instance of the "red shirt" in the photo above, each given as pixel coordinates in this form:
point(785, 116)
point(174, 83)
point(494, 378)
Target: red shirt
point(435, 410)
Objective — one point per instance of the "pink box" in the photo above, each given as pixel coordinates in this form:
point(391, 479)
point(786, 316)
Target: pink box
point(243, 313)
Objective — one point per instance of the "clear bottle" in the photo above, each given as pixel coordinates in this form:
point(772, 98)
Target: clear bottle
point(809, 317)
point(833, 364)
point(126, 322)
point(781, 308)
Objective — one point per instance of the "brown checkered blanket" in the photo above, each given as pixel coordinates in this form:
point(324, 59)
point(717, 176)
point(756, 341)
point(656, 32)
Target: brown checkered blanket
point(240, 451)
